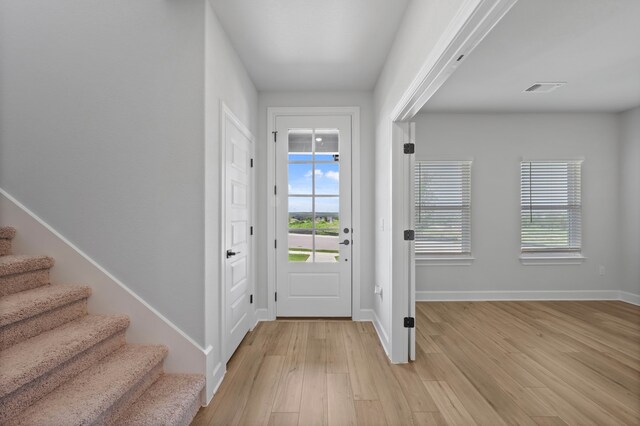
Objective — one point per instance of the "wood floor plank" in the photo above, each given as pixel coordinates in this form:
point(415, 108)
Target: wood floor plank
point(448, 404)
point(429, 419)
point(394, 405)
point(336, 353)
point(318, 330)
point(549, 421)
point(341, 410)
point(566, 411)
point(313, 404)
point(289, 391)
point(413, 389)
point(359, 372)
point(491, 383)
point(446, 371)
point(486, 363)
point(278, 344)
point(369, 413)
point(283, 419)
point(258, 411)
point(229, 402)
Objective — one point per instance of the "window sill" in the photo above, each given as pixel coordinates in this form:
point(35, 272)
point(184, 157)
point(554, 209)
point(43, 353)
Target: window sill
point(552, 259)
point(445, 260)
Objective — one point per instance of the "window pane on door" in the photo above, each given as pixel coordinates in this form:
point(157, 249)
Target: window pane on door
point(328, 179)
point(327, 228)
point(327, 141)
point(300, 142)
point(300, 229)
point(300, 179)
point(327, 248)
point(313, 189)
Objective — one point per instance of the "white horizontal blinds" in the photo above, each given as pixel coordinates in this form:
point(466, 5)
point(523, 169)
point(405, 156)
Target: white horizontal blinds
point(551, 209)
point(443, 207)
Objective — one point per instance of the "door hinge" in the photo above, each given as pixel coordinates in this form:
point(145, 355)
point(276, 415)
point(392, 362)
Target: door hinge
point(409, 322)
point(275, 190)
point(409, 148)
point(252, 162)
point(275, 136)
point(251, 299)
point(251, 230)
point(276, 296)
point(275, 244)
point(409, 235)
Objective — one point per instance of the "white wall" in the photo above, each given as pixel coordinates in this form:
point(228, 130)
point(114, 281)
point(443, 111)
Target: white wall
point(496, 143)
point(422, 26)
point(364, 100)
point(630, 200)
point(102, 132)
point(109, 132)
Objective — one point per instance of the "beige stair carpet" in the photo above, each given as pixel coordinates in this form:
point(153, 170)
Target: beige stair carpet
point(59, 365)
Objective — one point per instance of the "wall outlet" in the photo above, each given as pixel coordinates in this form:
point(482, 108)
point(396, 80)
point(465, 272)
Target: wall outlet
point(602, 270)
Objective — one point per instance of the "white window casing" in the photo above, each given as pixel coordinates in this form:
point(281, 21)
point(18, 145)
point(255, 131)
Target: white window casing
point(550, 209)
point(443, 210)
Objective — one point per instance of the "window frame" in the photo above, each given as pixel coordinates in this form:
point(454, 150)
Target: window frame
point(558, 255)
point(446, 258)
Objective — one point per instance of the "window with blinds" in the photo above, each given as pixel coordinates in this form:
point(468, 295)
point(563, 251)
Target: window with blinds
point(443, 207)
point(551, 208)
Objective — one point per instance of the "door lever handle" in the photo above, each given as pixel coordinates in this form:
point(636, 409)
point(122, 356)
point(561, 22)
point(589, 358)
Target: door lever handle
point(231, 253)
point(346, 242)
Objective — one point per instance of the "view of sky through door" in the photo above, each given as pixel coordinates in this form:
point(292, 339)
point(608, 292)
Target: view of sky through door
point(313, 195)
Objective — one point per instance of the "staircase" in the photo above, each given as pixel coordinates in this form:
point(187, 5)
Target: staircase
point(60, 365)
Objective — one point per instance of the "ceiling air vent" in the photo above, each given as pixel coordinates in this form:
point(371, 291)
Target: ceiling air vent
point(544, 87)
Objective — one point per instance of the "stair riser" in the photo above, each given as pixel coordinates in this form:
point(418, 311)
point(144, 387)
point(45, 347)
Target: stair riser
point(25, 329)
point(5, 246)
point(23, 397)
point(26, 281)
point(112, 413)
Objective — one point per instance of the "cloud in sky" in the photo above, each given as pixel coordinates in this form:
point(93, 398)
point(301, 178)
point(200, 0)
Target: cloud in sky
point(333, 175)
point(318, 173)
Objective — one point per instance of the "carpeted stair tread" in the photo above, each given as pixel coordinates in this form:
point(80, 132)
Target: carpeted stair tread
point(88, 398)
point(17, 264)
point(32, 358)
point(26, 304)
point(7, 232)
point(170, 401)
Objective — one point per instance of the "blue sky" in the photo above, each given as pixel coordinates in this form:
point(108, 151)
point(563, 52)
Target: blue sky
point(327, 183)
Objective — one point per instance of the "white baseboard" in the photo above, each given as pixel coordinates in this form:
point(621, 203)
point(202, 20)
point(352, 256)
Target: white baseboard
point(634, 299)
point(453, 296)
point(262, 314)
point(109, 295)
point(370, 315)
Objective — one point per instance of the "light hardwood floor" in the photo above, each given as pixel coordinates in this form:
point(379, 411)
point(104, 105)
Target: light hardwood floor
point(485, 363)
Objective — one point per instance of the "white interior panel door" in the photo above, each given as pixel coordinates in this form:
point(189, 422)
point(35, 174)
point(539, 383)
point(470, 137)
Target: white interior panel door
point(237, 216)
point(313, 215)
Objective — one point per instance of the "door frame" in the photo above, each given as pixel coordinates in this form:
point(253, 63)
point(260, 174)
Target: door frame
point(272, 114)
point(227, 114)
point(474, 20)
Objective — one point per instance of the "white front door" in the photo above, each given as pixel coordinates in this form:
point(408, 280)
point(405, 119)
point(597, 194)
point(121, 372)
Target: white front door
point(237, 215)
point(313, 216)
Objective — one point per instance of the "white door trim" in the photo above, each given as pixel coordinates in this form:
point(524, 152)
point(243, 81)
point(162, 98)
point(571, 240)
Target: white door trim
point(471, 24)
point(272, 114)
point(227, 114)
